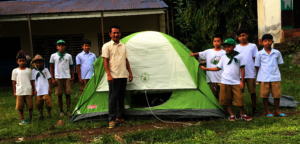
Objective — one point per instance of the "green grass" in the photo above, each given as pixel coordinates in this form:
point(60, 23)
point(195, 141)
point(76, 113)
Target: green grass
point(260, 130)
point(62, 140)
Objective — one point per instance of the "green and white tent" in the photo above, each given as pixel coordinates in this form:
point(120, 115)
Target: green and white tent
point(162, 66)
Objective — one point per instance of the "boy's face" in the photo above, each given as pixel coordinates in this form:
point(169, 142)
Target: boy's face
point(217, 42)
point(229, 48)
point(61, 47)
point(115, 34)
point(267, 43)
point(39, 64)
point(243, 37)
point(86, 48)
point(21, 62)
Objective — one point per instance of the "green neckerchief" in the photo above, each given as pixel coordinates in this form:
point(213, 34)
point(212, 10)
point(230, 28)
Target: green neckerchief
point(61, 56)
point(232, 57)
point(40, 71)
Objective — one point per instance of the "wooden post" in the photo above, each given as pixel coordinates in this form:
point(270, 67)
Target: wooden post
point(172, 18)
point(102, 30)
point(30, 36)
point(168, 21)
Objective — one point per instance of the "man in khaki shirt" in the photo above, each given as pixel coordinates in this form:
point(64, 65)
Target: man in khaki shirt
point(117, 68)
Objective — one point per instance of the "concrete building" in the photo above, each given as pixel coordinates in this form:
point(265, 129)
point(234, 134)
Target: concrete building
point(44, 22)
point(281, 18)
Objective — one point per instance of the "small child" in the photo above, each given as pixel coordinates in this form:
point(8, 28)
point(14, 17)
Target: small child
point(41, 80)
point(231, 84)
point(62, 79)
point(266, 62)
point(212, 57)
point(22, 87)
point(85, 61)
point(248, 51)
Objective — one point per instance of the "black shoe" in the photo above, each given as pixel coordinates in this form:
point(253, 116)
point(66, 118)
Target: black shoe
point(256, 114)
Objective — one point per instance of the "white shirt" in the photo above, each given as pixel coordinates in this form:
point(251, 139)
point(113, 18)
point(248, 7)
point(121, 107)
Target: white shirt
point(212, 58)
point(22, 78)
point(248, 52)
point(86, 62)
point(61, 66)
point(231, 72)
point(41, 83)
point(268, 65)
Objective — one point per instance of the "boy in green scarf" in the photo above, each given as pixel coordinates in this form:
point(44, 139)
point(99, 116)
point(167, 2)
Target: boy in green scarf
point(41, 80)
point(231, 85)
point(62, 73)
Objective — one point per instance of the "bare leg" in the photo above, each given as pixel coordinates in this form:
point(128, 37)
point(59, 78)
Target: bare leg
point(49, 111)
point(68, 100)
point(60, 102)
point(253, 99)
point(276, 102)
point(21, 114)
point(266, 103)
point(229, 110)
point(30, 113)
point(241, 108)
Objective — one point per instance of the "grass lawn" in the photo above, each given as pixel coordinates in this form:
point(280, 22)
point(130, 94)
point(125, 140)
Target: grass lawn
point(260, 130)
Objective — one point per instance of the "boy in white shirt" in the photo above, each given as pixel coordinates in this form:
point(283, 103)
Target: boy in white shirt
point(85, 61)
point(248, 51)
point(266, 62)
point(231, 84)
point(22, 87)
point(62, 80)
point(41, 80)
point(212, 57)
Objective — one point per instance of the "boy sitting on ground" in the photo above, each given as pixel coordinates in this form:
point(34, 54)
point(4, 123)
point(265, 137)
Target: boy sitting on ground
point(248, 51)
point(85, 61)
point(41, 80)
point(212, 57)
point(231, 84)
point(266, 62)
point(62, 79)
point(22, 87)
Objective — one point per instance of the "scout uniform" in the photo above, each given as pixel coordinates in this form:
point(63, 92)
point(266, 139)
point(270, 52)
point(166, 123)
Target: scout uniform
point(62, 63)
point(269, 74)
point(86, 62)
point(41, 77)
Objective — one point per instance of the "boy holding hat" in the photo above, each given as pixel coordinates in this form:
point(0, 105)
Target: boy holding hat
point(62, 63)
point(231, 85)
point(41, 80)
point(22, 87)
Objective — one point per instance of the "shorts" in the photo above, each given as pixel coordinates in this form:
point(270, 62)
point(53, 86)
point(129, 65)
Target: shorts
point(63, 85)
point(251, 83)
point(265, 89)
point(227, 92)
point(83, 85)
point(215, 88)
point(39, 101)
point(21, 100)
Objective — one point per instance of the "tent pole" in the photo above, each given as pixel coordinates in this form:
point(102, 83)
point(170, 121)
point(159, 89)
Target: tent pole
point(168, 21)
point(102, 26)
point(30, 36)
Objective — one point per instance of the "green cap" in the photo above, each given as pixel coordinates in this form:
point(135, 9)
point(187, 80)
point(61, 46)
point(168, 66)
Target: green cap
point(228, 41)
point(60, 42)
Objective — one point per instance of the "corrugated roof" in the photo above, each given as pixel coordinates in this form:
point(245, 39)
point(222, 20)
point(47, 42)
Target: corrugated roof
point(62, 6)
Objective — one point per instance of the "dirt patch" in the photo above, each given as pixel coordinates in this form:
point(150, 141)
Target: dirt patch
point(88, 134)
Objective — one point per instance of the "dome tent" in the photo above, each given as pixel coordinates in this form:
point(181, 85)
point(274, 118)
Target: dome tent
point(159, 63)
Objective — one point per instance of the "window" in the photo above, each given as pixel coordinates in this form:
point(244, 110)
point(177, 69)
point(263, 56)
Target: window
point(46, 45)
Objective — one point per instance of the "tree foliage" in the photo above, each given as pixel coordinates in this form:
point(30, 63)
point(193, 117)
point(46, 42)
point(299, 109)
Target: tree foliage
point(198, 20)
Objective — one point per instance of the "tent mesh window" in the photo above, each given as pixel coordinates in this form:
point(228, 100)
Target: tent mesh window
point(46, 45)
point(155, 98)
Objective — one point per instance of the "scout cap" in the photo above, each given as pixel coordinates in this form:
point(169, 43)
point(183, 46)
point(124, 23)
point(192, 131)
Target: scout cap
point(37, 58)
point(60, 42)
point(228, 41)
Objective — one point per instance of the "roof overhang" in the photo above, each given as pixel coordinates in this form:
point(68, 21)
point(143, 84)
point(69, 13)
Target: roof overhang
point(77, 15)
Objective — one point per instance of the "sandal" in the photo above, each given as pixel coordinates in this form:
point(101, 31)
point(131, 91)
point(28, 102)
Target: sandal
point(269, 115)
point(282, 115)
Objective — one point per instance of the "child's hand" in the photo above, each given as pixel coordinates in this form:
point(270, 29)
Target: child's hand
point(191, 54)
point(53, 82)
point(35, 93)
point(50, 91)
point(203, 68)
point(72, 80)
point(15, 95)
point(110, 79)
point(242, 85)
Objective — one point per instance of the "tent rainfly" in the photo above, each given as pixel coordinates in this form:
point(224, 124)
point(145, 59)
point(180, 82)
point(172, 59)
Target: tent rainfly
point(163, 72)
